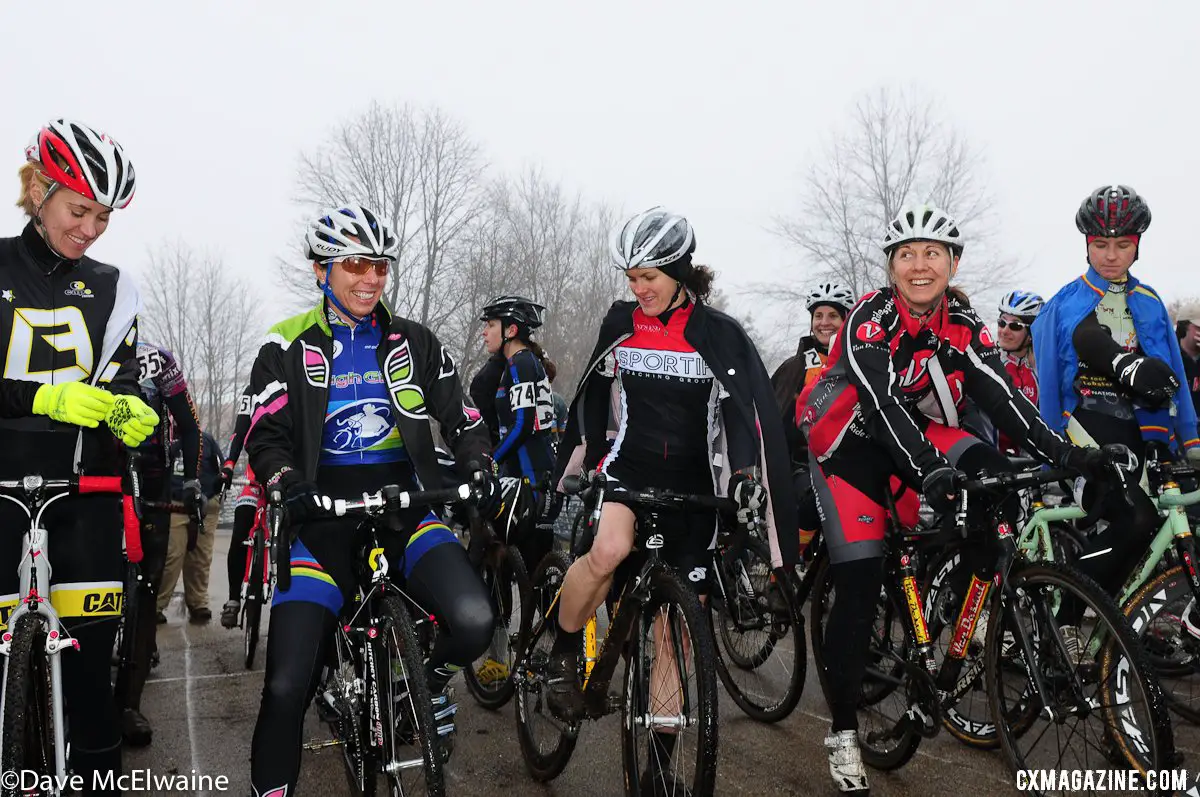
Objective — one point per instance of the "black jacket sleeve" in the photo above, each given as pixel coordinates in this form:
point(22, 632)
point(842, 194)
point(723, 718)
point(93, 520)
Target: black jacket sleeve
point(463, 431)
point(483, 393)
point(241, 428)
point(16, 397)
point(269, 443)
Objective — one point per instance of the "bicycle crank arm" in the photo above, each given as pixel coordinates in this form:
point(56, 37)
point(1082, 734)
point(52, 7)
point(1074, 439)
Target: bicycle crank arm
point(323, 745)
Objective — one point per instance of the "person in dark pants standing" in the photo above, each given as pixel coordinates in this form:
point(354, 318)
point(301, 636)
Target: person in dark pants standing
point(1187, 329)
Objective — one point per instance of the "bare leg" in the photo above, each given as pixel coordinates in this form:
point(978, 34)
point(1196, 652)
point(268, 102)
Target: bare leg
point(589, 579)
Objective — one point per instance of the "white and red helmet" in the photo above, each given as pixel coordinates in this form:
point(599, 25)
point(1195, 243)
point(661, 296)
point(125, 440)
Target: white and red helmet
point(92, 163)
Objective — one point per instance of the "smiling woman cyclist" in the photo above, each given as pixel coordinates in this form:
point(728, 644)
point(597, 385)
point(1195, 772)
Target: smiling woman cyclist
point(693, 396)
point(73, 178)
point(344, 399)
point(889, 403)
point(1111, 371)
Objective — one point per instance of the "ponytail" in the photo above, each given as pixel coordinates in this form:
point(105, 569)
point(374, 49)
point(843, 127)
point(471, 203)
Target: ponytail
point(699, 281)
point(547, 364)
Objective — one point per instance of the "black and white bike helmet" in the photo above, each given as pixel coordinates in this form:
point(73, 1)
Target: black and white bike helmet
point(923, 223)
point(652, 239)
point(350, 231)
point(831, 293)
point(517, 310)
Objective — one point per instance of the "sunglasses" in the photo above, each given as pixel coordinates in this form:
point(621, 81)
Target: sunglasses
point(361, 265)
point(1015, 326)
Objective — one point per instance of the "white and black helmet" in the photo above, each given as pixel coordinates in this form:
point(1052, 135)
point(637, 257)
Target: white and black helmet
point(923, 223)
point(1021, 304)
point(87, 161)
point(830, 293)
point(350, 231)
point(652, 239)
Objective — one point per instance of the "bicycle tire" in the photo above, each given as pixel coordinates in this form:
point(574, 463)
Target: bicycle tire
point(125, 628)
point(874, 691)
point(252, 609)
point(28, 718)
point(942, 604)
point(1155, 613)
point(748, 583)
point(1122, 665)
point(399, 643)
point(535, 641)
point(347, 726)
point(502, 569)
point(667, 589)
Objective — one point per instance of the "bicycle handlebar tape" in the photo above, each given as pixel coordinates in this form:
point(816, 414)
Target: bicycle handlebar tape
point(133, 530)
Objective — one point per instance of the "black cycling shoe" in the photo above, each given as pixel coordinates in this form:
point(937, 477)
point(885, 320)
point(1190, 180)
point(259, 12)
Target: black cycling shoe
point(230, 612)
point(563, 695)
point(135, 728)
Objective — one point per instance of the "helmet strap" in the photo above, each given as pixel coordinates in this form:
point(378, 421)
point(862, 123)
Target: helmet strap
point(328, 291)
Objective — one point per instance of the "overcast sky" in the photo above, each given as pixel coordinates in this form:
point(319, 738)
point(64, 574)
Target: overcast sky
point(713, 109)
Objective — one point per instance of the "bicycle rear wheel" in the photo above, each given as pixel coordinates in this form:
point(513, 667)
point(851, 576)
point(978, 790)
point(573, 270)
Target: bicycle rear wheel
point(885, 734)
point(546, 742)
point(759, 632)
point(489, 678)
point(411, 758)
point(669, 714)
point(1104, 710)
point(28, 720)
point(252, 609)
point(1165, 619)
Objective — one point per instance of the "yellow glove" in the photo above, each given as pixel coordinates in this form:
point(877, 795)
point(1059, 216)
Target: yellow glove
point(131, 420)
point(76, 403)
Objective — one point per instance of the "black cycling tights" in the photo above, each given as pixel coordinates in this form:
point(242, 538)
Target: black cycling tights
point(298, 644)
point(857, 584)
point(235, 561)
point(1111, 555)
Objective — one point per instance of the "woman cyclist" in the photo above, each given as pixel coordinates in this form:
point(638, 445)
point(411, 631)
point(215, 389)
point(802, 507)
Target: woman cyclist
point(73, 179)
point(245, 508)
point(693, 395)
point(1111, 372)
point(1017, 312)
point(345, 396)
point(888, 404)
point(524, 407)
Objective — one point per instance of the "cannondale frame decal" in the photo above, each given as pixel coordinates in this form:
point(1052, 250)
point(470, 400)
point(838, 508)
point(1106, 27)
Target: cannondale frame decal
point(398, 370)
point(316, 367)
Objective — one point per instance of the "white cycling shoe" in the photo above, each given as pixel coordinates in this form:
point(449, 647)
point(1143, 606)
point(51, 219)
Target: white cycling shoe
point(845, 762)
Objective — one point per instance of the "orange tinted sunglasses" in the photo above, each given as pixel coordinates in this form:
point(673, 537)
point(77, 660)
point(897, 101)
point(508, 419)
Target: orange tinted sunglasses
point(361, 265)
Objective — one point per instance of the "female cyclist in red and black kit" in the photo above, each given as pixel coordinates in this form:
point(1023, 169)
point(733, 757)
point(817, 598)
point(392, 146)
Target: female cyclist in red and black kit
point(889, 404)
point(696, 414)
point(1018, 310)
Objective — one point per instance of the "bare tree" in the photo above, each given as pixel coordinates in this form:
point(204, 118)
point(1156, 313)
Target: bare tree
point(418, 169)
point(894, 150)
point(199, 310)
point(1184, 308)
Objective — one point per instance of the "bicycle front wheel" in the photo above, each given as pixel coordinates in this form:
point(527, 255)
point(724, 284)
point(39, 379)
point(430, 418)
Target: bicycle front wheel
point(759, 633)
point(411, 757)
point(669, 714)
point(254, 600)
point(28, 709)
point(1100, 705)
point(1165, 619)
point(489, 678)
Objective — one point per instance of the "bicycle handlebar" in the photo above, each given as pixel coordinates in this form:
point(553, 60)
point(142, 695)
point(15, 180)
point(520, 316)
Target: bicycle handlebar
point(653, 497)
point(392, 497)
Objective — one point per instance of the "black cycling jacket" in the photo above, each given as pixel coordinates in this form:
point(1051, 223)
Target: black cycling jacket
point(62, 321)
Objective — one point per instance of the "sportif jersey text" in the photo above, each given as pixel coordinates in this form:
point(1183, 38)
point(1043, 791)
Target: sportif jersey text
point(665, 388)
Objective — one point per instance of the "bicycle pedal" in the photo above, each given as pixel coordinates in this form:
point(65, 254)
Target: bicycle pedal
point(448, 711)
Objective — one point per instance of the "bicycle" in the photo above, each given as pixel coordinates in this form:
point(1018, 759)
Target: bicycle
point(502, 569)
point(654, 619)
point(32, 729)
point(373, 693)
point(258, 579)
point(1035, 683)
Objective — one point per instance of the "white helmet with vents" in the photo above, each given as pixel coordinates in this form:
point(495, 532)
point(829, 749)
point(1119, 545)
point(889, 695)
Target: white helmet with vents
point(350, 231)
point(652, 239)
point(923, 223)
point(831, 293)
point(87, 161)
point(1021, 303)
